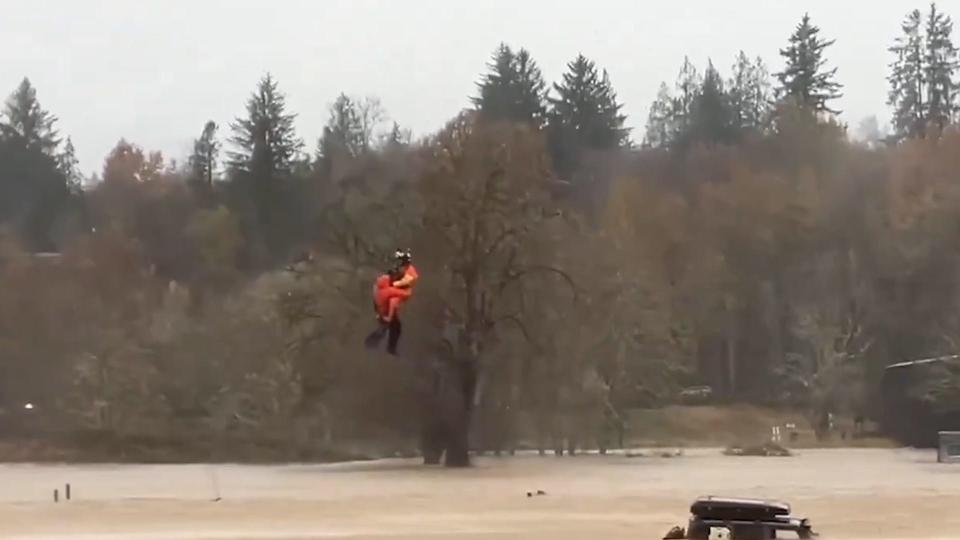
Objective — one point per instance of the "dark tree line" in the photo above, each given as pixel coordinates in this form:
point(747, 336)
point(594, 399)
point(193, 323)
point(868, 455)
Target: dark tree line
point(923, 78)
point(708, 109)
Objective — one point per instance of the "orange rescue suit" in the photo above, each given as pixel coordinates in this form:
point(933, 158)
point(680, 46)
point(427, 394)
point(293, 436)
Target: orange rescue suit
point(388, 294)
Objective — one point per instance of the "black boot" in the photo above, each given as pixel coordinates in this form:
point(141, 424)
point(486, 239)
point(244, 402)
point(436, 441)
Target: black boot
point(373, 339)
point(395, 329)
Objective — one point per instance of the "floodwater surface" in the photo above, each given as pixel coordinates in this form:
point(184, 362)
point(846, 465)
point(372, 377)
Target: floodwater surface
point(851, 494)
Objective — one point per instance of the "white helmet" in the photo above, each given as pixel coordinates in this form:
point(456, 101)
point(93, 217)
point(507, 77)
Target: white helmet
point(403, 256)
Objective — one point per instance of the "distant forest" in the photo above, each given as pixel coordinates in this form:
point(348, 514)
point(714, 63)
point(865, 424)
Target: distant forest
point(571, 270)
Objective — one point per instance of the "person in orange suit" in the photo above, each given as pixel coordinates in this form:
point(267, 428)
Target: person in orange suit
point(390, 291)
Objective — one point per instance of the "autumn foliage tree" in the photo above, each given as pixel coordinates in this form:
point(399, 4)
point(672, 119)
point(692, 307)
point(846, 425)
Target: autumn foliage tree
point(485, 193)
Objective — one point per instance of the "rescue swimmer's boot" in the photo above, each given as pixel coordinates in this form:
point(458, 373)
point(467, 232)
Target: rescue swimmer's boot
point(395, 329)
point(373, 340)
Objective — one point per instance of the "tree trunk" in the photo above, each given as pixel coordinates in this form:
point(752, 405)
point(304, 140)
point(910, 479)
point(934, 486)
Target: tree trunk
point(731, 346)
point(432, 444)
point(440, 403)
point(777, 317)
point(458, 447)
point(458, 450)
point(731, 366)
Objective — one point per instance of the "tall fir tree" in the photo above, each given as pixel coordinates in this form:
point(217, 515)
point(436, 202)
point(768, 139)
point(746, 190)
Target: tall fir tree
point(584, 115)
point(343, 135)
point(267, 153)
point(266, 142)
point(908, 80)
point(398, 137)
point(35, 177)
point(513, 89)
point(531, 90)
point(25, 119)
point(805, 79)
point(941, 67)
point(203, 160)
point(497, 85)
point(33, 193)
point(69, 166)
point(711, 116)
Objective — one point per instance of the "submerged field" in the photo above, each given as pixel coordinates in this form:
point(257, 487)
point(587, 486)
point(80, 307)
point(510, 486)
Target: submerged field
point(849, 493)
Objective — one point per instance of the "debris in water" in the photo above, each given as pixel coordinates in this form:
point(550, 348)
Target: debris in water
point(768, 449)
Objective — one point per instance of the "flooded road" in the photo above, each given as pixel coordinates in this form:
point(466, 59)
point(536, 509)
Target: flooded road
point(854, 494)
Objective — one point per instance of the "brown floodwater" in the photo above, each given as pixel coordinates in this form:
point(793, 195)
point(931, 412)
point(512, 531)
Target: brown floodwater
point(847, 493)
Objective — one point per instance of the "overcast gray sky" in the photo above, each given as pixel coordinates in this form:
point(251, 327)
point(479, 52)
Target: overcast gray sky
point(154, 71)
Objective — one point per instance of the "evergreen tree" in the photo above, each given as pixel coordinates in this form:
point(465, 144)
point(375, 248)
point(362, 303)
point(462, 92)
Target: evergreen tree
point(203, 161)
point(707, 110)
point(660, 122)
point(266, 142)
point(749, 93)
point(397, 137)
point(497, 86)
point(343, 135)
point(670, 116)
point(908, 80)
point(941, 66)
point(689, 82)
point(267, 155)
point(759, 101)
point(351, 129)
point(35, 179)
point(742, 68)
point(805, 79)
point(513, 89)
point(69, 166)
point(711, 117)
point(531, 90)
point(25, 119)
point(584, 115)
point(33, 192)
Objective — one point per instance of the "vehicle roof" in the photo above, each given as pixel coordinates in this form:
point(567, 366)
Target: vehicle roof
point(737, 501)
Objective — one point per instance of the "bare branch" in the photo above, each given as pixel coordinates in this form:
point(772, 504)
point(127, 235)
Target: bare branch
point(523, 273)
point(518, 322)
point(503, 236)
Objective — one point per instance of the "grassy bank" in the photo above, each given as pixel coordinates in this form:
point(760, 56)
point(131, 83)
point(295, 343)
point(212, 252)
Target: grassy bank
point(677, 426)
